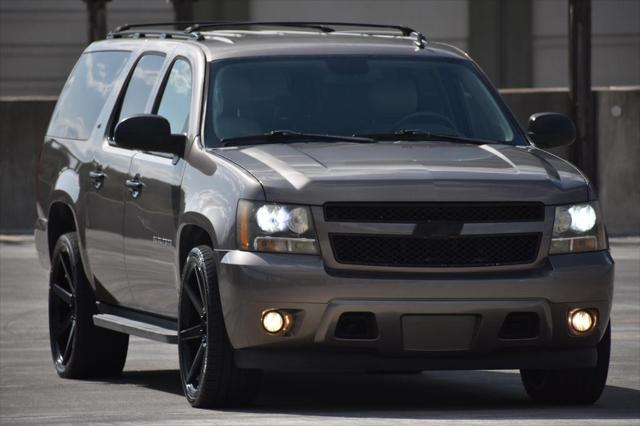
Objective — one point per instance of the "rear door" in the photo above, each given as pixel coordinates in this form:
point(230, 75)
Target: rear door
point(151, 213)
point(106, 192)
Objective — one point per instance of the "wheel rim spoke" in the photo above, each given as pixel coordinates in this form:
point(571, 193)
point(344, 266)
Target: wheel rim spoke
point(69, 345)
point(62, 294)
point(191, 333)
point(196, 364)
point(195, 301)
point(64, 325)
point(62, 312)
point(66, 272)
point(201, 289)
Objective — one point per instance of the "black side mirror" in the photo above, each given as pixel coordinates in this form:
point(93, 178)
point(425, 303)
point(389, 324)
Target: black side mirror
point(550, 129)
point(147, 132)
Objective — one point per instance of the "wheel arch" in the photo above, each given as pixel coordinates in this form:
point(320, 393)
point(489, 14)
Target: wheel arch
point(194, 230)
point(61, 219)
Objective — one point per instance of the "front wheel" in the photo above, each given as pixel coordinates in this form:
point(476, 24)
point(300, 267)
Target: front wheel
point(571, 385)
point(207, 368)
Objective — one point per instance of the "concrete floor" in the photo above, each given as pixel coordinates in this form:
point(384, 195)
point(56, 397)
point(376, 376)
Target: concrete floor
point(149, 390)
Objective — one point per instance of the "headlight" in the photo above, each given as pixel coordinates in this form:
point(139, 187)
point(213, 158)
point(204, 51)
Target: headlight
point(272, 227)
point(578, 228)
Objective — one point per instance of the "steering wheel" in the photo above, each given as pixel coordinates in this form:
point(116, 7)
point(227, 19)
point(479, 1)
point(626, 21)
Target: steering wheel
point(424, 117)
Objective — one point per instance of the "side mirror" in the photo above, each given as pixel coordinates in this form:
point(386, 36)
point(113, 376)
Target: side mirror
point(550, 130)
point(147, 132)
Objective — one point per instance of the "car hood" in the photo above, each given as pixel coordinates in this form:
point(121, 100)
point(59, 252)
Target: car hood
point(314, 173)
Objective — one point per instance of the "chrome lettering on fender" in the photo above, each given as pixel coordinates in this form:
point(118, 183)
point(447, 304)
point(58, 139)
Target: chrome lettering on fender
point(162, 241)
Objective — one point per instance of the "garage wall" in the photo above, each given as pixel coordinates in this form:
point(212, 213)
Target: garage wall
point(615, 43)
point(40, 40)
point(440, 20)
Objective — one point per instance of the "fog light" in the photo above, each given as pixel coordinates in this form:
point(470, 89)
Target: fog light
point(276, 322)
point(582, 321)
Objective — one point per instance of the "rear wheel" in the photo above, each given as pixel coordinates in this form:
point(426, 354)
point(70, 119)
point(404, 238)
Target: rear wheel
point(207, 368)
point(571, 385)
point(79, 349)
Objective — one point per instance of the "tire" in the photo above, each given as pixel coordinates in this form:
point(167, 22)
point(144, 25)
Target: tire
point(571, 385)
point(79, 349)
point(208, 372)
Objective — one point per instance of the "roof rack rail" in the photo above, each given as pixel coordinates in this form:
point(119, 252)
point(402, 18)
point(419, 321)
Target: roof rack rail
point(191, 28)
point(157, 33)
point(323, 26)
point(197, 26)
point(177, 25)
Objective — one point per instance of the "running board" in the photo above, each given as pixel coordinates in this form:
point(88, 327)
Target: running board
point(138, 326)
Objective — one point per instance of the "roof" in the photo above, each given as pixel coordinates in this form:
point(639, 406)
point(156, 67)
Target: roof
point(243, 43)
point(223, 40)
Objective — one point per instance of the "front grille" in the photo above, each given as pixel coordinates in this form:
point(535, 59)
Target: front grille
point(456, 251)
point(427, 212)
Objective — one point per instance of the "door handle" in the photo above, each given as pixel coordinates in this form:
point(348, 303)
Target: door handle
point(135, 186)
point(98, 177)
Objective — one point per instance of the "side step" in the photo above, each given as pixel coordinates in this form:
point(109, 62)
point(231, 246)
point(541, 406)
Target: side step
point(136, 328)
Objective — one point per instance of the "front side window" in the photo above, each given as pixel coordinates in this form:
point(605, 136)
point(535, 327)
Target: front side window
point(347, 95)
point(85, 94)
point(175, 103)
point(144, 77)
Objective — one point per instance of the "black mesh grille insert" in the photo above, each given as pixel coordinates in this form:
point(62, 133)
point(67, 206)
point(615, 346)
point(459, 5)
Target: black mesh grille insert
point(426, 212)
point(469, 250)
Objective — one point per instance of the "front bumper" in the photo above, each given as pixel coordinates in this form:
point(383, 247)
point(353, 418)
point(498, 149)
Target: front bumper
point(250, 283)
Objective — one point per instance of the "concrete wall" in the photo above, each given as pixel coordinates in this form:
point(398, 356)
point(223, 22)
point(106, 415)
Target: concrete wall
point(615, 43)
point(618, 115)
point(440, 20)
point(40, 40)
point(23, 123)
point(500, 40)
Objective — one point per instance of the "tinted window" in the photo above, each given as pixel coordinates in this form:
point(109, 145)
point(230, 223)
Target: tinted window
point(85, 93)
point(140, 85)
point(176, 98)
point(345, 95)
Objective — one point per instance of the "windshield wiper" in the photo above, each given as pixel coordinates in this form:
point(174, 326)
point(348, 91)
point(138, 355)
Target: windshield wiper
point(283, 136)
point(421, 135)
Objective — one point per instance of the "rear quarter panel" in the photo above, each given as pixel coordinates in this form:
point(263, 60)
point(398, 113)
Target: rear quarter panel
point(65, 164)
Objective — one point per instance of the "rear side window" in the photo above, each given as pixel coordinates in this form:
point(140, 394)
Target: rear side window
point(144, 77)
point(85, 93)
point(175, 104)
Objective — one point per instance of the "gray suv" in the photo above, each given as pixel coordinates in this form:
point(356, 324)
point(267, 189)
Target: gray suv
point(304, 196)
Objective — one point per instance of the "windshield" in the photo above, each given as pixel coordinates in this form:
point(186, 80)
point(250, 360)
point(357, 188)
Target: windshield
point(352, 95)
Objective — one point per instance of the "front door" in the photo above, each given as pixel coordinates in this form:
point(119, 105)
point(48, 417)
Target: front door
point(153, 204)
point(104, 231)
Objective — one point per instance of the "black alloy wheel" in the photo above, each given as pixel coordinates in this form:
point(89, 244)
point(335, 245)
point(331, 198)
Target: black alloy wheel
point(193, 330)
point(79, 349)
point(62, 308)
point(208, 372)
